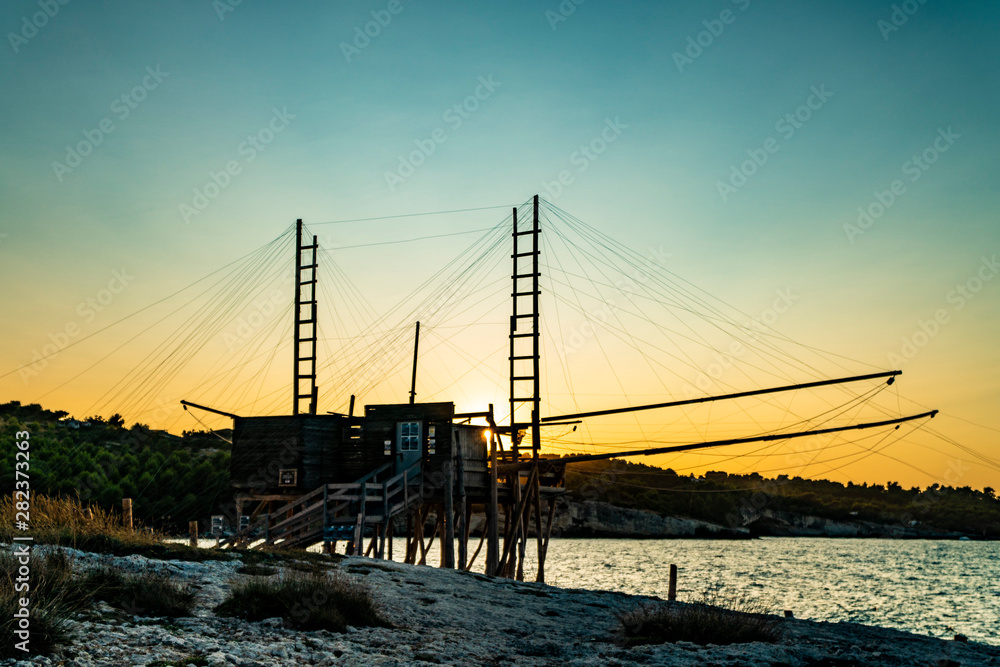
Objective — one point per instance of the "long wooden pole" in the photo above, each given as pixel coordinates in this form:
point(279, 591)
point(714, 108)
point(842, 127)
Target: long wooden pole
point(507, 469)
point(743, 394)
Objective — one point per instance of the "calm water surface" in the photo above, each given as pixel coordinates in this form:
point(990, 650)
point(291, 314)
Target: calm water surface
point(936, 588)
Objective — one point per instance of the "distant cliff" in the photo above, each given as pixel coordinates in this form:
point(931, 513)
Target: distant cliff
point(784, 505)
point(597, 519)
point(787, 524)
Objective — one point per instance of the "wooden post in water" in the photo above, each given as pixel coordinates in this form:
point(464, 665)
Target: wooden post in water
point(672, 590)
point(127, 512)
point(462, 523)
point(448, 514)
point(540, 576)
point(193, 533)
point(492, 508)
point(492, 511)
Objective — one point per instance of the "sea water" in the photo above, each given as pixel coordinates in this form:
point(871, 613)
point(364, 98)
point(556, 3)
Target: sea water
point(935, 588)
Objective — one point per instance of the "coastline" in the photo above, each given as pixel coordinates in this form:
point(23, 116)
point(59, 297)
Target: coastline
point(460, 618)
point(595, 519)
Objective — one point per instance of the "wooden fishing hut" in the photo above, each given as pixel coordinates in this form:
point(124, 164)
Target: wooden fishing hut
point(309, 478)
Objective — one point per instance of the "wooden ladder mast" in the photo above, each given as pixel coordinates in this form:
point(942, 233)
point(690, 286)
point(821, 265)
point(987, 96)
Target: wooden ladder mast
point(525, 388)
point(305, 327)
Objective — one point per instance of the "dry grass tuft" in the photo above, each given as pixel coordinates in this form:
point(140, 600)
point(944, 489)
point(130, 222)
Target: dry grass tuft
point(312, 601)
point(715, 619)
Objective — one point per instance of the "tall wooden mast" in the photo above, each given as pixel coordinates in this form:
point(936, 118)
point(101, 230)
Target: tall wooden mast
point(305, 326)
point(525, 378)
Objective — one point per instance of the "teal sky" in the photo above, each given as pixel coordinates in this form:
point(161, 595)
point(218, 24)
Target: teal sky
point(346, 121)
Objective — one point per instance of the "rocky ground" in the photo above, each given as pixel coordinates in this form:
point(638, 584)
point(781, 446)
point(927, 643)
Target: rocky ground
point(459, 618)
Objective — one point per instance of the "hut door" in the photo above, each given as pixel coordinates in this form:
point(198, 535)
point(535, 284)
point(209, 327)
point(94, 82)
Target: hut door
point(408, 444)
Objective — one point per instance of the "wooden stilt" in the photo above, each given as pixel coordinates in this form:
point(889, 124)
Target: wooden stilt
point(462, 522)
point(464, 539)
point(409, 535)
point(430, 542)
point(448, 518)
point(545, 544)
point(516, 519)
point(482, 538)
point(501, 570)
point(525, 522)
point(492, 510)
point(539, 538)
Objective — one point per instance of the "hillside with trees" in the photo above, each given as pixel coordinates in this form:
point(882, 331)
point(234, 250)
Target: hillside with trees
point(740, 500)
point(175, 479)
point(172, 479)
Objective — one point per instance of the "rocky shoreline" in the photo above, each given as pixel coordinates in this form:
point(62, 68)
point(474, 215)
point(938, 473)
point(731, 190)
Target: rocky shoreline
point(598, 519)
point(455, 618)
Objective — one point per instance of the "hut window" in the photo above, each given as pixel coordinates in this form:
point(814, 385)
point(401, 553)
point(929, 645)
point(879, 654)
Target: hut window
point(409, 436)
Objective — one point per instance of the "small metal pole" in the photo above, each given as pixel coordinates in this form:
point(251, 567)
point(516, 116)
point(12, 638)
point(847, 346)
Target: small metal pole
point(413, 381)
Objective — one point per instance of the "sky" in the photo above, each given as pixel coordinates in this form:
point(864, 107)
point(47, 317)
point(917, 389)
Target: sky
point(840, 154)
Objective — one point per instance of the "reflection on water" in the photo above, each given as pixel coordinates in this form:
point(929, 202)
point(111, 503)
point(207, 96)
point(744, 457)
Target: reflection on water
point(936, 588)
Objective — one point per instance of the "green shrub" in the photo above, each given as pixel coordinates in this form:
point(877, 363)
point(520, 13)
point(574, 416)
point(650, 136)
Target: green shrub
point(54, 594)
point(142, 594)
point(306, 601)
point(254, 570)
point(713, 620)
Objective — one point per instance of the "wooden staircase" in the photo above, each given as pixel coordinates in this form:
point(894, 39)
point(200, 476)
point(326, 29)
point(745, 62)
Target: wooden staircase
point(336, 512)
